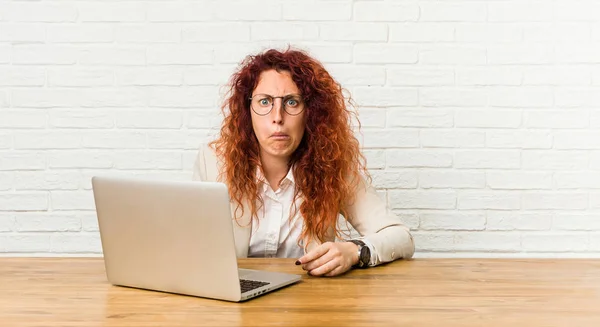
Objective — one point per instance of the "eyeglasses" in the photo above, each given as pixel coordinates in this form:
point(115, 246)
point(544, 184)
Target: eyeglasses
point(262, 104)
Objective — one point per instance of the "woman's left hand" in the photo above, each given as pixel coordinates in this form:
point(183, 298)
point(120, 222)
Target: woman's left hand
point(330, 259)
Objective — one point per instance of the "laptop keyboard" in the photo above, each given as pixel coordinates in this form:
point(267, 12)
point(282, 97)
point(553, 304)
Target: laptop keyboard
point(248, 285)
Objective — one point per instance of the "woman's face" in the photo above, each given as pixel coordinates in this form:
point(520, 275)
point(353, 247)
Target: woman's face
point(279, 131)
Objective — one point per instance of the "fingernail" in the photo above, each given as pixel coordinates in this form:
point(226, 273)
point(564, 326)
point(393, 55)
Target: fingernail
point(298, 262)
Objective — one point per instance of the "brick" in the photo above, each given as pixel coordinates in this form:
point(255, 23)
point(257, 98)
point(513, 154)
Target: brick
point(570, 140)
point(509, 220)
point(556, 119)
point(498, 180)
point(391, 139)
point(557, 75)
point(116, 55)
point(420, 76)
point(184, 54)
point(47, 222)
point(22, 76)
point(23, 32)
point(555, 242)
point(165, 119)
point(6, 141)
point(488, 118)
point(365, 53)
point(89, 221)
point(422, 32)
point(24, 201)
point(385, 96)
point(522, 139)
point(112, 11)
point(25, 242)
point(472, 76)
point(594, 200)
point(79, 159)
point(557, 32)
point(47, 140)
point(422, 199)
point(582, 53)
point(451, 179)
point(22, 119)
point(576, 97)
point(27, 54)
point(433, 241)
point(46, 180)
point(394, 179)
point(499, 159)
point(520, 54)
point(523, 96)
point(75, 243)
point(452, 54)
point(488, 33)
point(576, 221)
point(248, 11)
point(453, 97)
point(177, 139)
point(41, 12)
point(219, 32)
point(386, 11)
point(369, 32)
point(335, 54)
point(409, 218)
point(452, 12)
point(79, 33)
point(292, 31)
point(146, 76)
point(136, 160)
point(487, 242)
point(424, 117)
point(7, 181)
point(7, 223)
point(4, 99)
point(554, 200)
point(21, 160)
point(114, 140)
point(555, 160)
point(79, 77)
point(328, 11)
point(372, 117)
point(5, 52)
point(595, 119)
point(569, 10)
point(419, 158)
point(452, 221)
point(375, 158)
point(184, 11)
point(452, 138)
point(72, 200)
point(81, 119)
point(594, 160)
point(203, 119)
point(150, 33)
point(234, 53)
point(349, 75)
point(479, 200)
point(519, 11)
point(207, 75)
point(187, 97)
point(44, 98)
point(577, 180)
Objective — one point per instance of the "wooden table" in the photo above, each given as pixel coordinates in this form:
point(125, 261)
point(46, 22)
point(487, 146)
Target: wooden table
point(421, 292)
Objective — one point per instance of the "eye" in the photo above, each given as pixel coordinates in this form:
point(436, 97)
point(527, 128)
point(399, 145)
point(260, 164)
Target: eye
point(292, 102)
point(264, 101)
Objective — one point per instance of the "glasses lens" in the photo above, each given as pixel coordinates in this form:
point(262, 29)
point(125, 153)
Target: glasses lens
point(293, 104)
point(262, 103)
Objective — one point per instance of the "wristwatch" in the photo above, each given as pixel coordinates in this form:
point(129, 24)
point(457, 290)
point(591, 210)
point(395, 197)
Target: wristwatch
point(364, 254)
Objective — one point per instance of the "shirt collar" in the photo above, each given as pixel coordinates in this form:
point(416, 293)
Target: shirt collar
point(289, 177)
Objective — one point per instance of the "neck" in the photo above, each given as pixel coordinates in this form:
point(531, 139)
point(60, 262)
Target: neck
point(274, 168)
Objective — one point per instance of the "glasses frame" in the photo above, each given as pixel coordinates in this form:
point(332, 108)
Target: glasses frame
point(282, 103)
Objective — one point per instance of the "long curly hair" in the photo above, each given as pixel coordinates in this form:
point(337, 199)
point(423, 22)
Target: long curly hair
point(328, 164)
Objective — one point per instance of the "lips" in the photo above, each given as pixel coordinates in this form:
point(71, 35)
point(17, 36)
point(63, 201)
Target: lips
point(279, 135)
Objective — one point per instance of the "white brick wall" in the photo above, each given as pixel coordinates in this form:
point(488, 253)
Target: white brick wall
point(481, 119)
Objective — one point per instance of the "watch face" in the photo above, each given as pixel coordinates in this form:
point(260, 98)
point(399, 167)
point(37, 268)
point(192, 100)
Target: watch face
point(365, 256)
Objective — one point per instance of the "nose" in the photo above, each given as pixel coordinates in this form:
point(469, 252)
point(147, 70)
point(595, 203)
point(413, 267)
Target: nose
point(277, 112)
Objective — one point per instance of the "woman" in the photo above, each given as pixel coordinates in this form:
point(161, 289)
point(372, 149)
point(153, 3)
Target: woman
point(294, 170)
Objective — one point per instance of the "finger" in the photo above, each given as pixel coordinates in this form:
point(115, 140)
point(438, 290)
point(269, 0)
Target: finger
point(337, 271)
point(315, 253)
point(328, 256)
point(323, 269)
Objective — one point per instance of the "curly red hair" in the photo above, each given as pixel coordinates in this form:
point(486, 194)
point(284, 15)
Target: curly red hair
point(328, 164)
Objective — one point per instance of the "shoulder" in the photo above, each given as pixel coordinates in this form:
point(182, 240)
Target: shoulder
point(206, 164)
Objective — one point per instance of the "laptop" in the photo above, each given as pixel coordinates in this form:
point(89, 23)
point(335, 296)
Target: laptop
point(175, 237)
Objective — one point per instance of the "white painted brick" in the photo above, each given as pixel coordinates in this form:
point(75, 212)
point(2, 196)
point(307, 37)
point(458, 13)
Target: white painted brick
point(510, 220)
point(114, 140)
point(375, 158)
point(555, 242)
point(170, 76)
point(557, 32)
point(393, 138)
point(75, 243)
point(180, 11)
point(337, 53)
point(488, 118)
point(44, 98)
point(569, 221)
point(369, 32)
point(420, 76)
point(234, 53)
point(7, 181)
point(386, 11)
point(147, 160)
point(516, 180)
point(422, 32)
point(76, 33)
point(556, 119)
point(441, 220)
point(500, 159)
point(394, 179)
point(328, 11)
point(595, 119)
point(554, 200)
point(431, 138)
point(21, 160)
point(48, 140)
point(184, 54)
point(116, 55)
point(581, 53)
point(3, 99)
point(577, 180)
point(577, 97)
point(499, 200)
point(453, 97)
point(569, 140)
point(595, 31)
point(80, 77)
point(594, 244)
point(557, 75)
point(520, 11)
point(79, 159)
point(248, 11)
point(177, 139)
point(366, 53)
point(520, 54)
point(22, 32)
point(575, 10)
point(419, 158)
point(42, 54)
point(203, 75)
point(72, 200)
point(216, 32)
point(487, 241)
point(422, 199)
point(488, 76)
point(80, 119)
point(452, 54)
point(594, 200)
point(555, 160)
point(348, 75)
point(128, 11)
point(524, 96)
point(5, 52)
point(424, 117)
point(25, 242)
point(6, 141)
point(170, 119)
point(595, 160)
point(433, 241)
point(385, 96)
point(41, 12)
point(24, 201)
point(89, 221)
point(488, 33)
point(451, 179)
point(409, 218)
point(47, 222)
point(117, 97)
point(7, 223)
point(292, 31)
point(22, 119)
point(522, 139)
point(203, 119)
point(152, 33)
point(372, 117)
point(46, 180)
point(188, 97)
point(452, 12)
